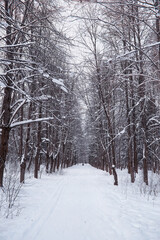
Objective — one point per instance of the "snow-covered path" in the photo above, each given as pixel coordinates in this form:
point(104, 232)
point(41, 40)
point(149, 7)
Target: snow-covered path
point(83, 204)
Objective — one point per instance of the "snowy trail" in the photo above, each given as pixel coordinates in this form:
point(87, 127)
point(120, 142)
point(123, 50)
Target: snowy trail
point(83, 204)
point(77, 213)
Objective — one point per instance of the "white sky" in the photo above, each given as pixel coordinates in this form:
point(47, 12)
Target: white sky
point(70, 25)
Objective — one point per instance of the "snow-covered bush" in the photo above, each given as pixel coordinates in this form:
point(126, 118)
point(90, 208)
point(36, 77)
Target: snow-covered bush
point(9, 194)
point(152, 190)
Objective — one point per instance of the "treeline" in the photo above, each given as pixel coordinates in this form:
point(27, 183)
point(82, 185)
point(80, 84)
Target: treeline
point(38, 108)
point(123, 100)
point(42, 122)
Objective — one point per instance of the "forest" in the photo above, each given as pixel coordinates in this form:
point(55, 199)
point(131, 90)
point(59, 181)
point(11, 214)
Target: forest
point(88, 96)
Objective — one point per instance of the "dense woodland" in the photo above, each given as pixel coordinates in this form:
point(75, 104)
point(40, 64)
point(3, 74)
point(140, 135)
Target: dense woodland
point(106, 113)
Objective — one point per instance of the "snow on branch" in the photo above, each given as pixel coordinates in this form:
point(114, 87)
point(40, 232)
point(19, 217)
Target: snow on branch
point(153, 119)
point(17, 45)
point(136, 105)
point(60, 82)
point(122, 56)
point(64, 89)
point(17, 109)
point(119, 134)
point(16, 124)
point(55, 80)
point(134, 51)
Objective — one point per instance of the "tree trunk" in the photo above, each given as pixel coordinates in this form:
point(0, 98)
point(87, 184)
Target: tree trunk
point(115, 176)
point(36, 160)
point(26, 147)
point(6, 111)
point(22, 171)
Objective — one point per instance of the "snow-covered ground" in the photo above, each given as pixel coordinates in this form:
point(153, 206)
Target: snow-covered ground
point(82, 203)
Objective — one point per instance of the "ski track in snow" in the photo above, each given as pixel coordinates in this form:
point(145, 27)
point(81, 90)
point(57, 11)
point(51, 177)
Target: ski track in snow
point(82, 204)
point(46, 212)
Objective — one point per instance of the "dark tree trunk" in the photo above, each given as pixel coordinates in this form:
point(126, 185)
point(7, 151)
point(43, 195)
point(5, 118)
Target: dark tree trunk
point(115, 176)
point(51, 164)
point(26, 148)
point(22, 172)
point(6, 111)
point(36, 165)
point(145, 171)
point(36, 160)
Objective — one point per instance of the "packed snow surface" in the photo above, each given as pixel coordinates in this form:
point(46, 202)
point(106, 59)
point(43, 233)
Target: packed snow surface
point(81, 203)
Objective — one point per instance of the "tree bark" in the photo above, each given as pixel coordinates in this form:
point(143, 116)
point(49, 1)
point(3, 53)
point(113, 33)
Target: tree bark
point(115, 176)
point(36, 160)
point(6, 111)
